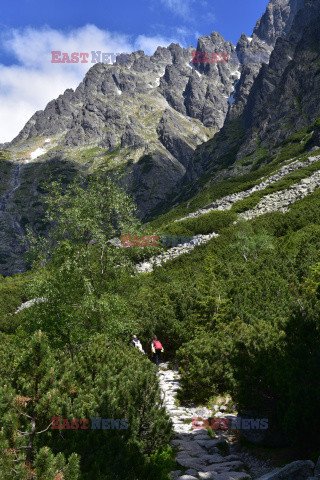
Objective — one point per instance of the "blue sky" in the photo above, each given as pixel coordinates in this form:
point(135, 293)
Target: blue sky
point(30, 29)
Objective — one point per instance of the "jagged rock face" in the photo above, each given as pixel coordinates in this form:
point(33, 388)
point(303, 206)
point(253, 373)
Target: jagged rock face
point(106, 102)
point(161, 106)
point(283, 99)
point(21, 204)
point(151, 113)
point(286, 91)
point(207, 90)
point(171, 136)
point(277, 20)
point(146, 113)
point(252, 52)
point(135, 102)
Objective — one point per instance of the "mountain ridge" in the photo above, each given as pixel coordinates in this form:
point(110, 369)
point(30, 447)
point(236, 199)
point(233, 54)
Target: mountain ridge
point(167, 122)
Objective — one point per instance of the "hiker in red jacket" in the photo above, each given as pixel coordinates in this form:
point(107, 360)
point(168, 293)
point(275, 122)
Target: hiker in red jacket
point(156, 349)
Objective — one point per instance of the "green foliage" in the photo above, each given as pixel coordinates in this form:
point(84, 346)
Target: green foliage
point(115, 382)
point(210, 306)
point(204, 224)
point(267, 162)
point(202, 366)
point(275, 370)
point(163, 459)
point(71, 371)
point(83, 281)
point(26, 404)
point(312, 285)
point(48, 467)
point(87, 212)
point(247, 203)
point(238, 313)
point(82, 296)
point(248, 243)
point(98, 381)
point(284, 183)
point(258, 268)
point(298, 384)
point(12, 295)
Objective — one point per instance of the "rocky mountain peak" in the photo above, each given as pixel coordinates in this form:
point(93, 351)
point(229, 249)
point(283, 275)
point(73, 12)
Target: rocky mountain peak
point(277, 19)
point(254, 51)
point(150, 113)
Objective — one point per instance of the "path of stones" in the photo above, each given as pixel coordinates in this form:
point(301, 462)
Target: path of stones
point(198, 454)
point(279, 201)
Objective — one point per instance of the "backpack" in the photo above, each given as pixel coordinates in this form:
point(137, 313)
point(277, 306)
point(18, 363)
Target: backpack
point(157, 345)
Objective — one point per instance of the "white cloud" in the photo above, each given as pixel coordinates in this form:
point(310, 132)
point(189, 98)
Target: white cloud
point(191, 11)
point(182, 8)
point(32, 80)
point(210, 17)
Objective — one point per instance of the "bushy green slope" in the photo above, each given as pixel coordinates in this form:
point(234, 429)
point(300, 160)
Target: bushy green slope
point(237, 311)
point(244, 174)
point(229, 307)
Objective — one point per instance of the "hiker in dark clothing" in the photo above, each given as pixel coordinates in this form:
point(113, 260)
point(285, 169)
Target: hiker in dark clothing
point(156, 349)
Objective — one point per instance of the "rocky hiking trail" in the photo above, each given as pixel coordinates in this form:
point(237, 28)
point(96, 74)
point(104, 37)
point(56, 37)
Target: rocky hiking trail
point(201, 457)
point(197, 453)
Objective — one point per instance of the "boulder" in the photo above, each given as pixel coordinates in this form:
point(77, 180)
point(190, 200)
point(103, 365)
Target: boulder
point(224, 467)
point(210, 443)
point(191, 472)
point(187, 477)
point(187, 461)
point(207, 475)
point(317, 469)
point(299, 470)
point(174, 474)
point(232, 476)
